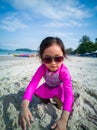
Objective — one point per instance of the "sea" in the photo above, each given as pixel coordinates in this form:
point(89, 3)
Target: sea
point(11, 52)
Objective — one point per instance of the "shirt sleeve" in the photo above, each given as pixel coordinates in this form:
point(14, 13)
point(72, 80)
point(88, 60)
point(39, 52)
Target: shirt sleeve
point(67, 87)
point(29, 92)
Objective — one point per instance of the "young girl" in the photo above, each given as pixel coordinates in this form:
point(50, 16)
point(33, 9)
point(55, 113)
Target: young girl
point(57, 84)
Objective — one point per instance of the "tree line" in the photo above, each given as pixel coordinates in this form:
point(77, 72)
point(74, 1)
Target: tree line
point(85, 46)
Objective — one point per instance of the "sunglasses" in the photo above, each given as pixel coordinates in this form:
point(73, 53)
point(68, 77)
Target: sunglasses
point(48, 60)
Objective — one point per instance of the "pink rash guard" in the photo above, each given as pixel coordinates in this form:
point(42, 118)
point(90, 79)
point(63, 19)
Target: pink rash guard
point(56, 84)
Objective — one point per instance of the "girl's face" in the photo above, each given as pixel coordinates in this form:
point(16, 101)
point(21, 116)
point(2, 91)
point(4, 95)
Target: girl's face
point(54, 56)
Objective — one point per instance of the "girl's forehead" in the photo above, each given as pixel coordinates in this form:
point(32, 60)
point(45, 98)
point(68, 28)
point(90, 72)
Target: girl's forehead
point(53, 50)
point(54, 46)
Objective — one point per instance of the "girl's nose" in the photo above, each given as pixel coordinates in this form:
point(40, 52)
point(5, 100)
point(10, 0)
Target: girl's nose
point(53, 61)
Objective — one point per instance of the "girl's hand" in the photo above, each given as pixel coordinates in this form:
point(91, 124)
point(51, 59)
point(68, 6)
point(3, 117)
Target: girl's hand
point(25, 117)
point(59, 125)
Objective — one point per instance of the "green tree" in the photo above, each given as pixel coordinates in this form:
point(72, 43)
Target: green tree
point(95, 40)
point(84, 39)
point(95, 44)
point(69, 51)
point(86, 45)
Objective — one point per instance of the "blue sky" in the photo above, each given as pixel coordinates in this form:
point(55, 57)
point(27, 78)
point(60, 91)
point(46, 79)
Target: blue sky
point(24, 23)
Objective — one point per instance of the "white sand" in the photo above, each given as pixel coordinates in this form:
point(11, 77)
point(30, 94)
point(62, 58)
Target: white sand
point(84, 71)
point(15, 74)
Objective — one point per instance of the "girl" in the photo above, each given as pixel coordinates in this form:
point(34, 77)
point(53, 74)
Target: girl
point(57, 84)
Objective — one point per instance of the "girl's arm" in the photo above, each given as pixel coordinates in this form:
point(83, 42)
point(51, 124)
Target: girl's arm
point(68, 100)
point(68, 90)
point(65, 116)
point(25, 116)
point(62, 122)
point(25, 104)
point(29, 92)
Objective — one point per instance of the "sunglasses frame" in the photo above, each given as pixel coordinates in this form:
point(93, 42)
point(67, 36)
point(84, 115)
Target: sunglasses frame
point(56, 59)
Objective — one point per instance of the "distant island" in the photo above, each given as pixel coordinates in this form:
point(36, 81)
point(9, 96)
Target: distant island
point(25, 49)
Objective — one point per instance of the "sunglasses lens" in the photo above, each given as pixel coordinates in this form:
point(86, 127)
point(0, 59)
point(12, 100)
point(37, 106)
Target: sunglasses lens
point(48, 60)
point(58, 59)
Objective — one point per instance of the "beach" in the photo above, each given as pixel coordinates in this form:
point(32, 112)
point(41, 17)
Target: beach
point(16, 73)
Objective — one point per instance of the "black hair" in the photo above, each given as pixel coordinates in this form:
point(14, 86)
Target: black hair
point(49, 41)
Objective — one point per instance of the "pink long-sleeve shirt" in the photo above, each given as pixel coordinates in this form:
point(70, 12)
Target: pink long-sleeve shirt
point(53, 80)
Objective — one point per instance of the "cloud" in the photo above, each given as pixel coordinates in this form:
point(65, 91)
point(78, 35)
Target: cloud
point(11, 24)
point(73, 23)
point(95, 9)
point(54, 24)
point(65, 24)
point(43, 8)
point(57, 33)
point(58, 10)
point(45, 17)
